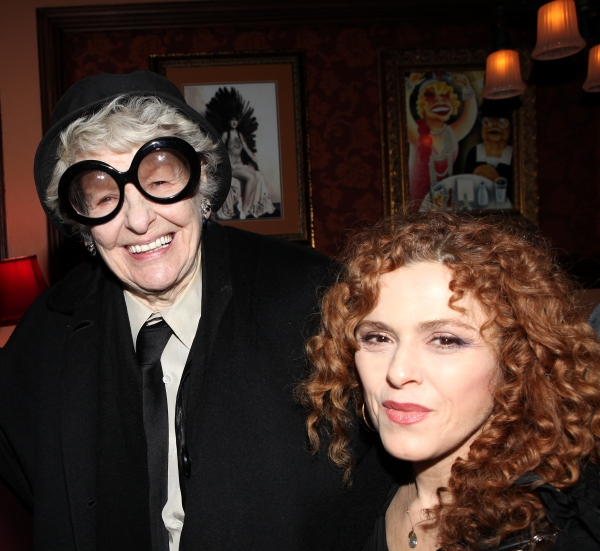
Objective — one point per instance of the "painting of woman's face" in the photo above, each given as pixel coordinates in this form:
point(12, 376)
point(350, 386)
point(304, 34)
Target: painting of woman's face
point(426, 371)
point(437, 105)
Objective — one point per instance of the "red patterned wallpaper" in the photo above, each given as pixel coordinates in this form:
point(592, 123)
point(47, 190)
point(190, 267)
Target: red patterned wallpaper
point(344, 116)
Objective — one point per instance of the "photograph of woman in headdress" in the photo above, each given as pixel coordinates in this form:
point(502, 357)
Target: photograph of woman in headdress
point(234, 119)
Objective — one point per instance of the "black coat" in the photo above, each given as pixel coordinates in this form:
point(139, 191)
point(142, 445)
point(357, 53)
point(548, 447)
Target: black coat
point(70, 386)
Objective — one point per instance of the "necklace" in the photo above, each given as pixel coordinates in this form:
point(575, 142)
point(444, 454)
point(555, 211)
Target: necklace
point(438, 132)
point(412, 536)
point(445, 154)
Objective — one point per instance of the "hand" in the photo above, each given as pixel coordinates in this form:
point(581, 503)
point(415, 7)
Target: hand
point(416, 78)
point(486, 171)
point(460, 80)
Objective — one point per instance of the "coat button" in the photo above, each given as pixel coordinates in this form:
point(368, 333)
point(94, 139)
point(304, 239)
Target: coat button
point(187, 462)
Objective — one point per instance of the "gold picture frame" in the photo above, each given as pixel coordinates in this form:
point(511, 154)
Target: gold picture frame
point(399, 71)
point(271, 85)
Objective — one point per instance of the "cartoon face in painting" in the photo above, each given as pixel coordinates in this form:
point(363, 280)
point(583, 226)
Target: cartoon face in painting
point(495, 129)
point(437, 100)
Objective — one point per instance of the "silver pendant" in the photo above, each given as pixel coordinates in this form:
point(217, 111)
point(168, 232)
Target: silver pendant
point(412, 539)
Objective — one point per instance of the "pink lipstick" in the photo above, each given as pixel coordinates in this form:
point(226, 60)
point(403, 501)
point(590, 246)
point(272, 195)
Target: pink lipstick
point(405, 413)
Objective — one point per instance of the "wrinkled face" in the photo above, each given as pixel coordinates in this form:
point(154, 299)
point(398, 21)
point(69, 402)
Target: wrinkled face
point(426, 372)
point(495, 129)
point(151, 248)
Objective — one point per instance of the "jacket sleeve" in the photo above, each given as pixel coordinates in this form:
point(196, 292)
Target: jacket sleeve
point(11, 425)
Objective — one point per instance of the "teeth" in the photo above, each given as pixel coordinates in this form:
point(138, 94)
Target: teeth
point(160, 242)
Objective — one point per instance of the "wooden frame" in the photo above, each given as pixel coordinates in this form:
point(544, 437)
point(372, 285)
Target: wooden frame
point(404, 75)
point(271, 84)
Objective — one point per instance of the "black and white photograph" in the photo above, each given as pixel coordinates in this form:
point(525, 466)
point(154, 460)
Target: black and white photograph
point(256, 103)
point(245, 115)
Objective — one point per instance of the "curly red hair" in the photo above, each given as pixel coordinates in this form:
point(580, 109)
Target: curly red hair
point(546, 414)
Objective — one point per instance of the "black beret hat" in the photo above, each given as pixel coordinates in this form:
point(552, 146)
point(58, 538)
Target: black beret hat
point(94, 92)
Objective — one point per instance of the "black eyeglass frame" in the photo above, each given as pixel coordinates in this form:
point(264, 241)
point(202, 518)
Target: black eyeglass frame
point(130, 177)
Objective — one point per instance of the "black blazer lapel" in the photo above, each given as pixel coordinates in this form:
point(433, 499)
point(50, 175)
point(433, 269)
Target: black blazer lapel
point(216, 292)
point(216, 296)
point(78, 426)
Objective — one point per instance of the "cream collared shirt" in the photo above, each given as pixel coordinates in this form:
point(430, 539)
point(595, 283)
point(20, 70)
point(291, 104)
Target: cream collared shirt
point(183, 317)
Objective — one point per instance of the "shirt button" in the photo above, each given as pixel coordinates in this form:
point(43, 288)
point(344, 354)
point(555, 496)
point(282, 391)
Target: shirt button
point(166, 379)
point(177, 524)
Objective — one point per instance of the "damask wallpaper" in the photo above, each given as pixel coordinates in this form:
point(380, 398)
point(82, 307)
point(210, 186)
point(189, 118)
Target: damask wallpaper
point(344, 115)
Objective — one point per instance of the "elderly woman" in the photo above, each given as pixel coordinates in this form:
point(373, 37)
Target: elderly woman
point(147, 398)
point(457, 339)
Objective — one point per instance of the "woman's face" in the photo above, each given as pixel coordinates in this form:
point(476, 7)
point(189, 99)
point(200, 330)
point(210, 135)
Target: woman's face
point(426, 372)
point(437, 105)
point(166, 236)
point(233, 123)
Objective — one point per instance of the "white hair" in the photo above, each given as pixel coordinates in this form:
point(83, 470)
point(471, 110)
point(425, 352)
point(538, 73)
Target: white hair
point(124, 124)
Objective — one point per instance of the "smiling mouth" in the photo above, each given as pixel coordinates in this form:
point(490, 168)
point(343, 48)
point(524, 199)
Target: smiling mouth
point(158, 244)
point(440, 109)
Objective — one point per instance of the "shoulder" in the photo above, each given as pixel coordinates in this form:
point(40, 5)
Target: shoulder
point(271, 254)
point(273, 281)
point(575, 511)
point(81, 284)
point(50, 313)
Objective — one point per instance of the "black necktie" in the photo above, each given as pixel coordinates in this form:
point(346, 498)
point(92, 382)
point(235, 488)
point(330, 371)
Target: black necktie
point(151, 341)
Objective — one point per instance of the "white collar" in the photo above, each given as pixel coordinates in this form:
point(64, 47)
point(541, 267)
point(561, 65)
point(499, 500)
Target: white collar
point(182, 316)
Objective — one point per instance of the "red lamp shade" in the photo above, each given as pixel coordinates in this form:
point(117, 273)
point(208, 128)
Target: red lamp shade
point(21, 281)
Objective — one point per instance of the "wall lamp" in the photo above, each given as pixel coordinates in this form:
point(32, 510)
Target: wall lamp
point(557, 36)
point(21, 281)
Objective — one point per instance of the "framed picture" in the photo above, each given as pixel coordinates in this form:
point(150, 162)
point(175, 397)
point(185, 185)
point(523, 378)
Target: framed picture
point(256, 102)
point(448, 148)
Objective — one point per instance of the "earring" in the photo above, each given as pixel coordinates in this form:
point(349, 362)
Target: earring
point(89, 245)
point(365, 419)
point(205, 207)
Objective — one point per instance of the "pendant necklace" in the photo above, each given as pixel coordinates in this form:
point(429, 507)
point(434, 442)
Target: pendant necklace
point(412, 536)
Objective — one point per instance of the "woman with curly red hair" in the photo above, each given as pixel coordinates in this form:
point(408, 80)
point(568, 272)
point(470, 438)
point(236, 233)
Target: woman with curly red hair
point(458, 340)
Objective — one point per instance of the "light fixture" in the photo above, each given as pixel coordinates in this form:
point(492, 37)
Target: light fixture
point(502, 68)
point(21, 281)
point(503, 75)
point(592, 82)
point(557, 31)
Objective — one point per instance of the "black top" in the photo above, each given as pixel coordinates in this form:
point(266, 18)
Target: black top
point(378, 540)
point(576, 512)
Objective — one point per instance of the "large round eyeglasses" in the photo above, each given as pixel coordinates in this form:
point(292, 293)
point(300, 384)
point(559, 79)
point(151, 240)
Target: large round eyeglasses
point(164, 170)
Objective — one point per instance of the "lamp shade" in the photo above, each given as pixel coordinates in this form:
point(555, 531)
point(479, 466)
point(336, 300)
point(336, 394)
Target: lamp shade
point(592, 82)
point(503, 75)
point(557, 31)
point(21, 281)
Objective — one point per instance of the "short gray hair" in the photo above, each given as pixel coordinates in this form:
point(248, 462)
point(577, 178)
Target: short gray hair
point(124, 124)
